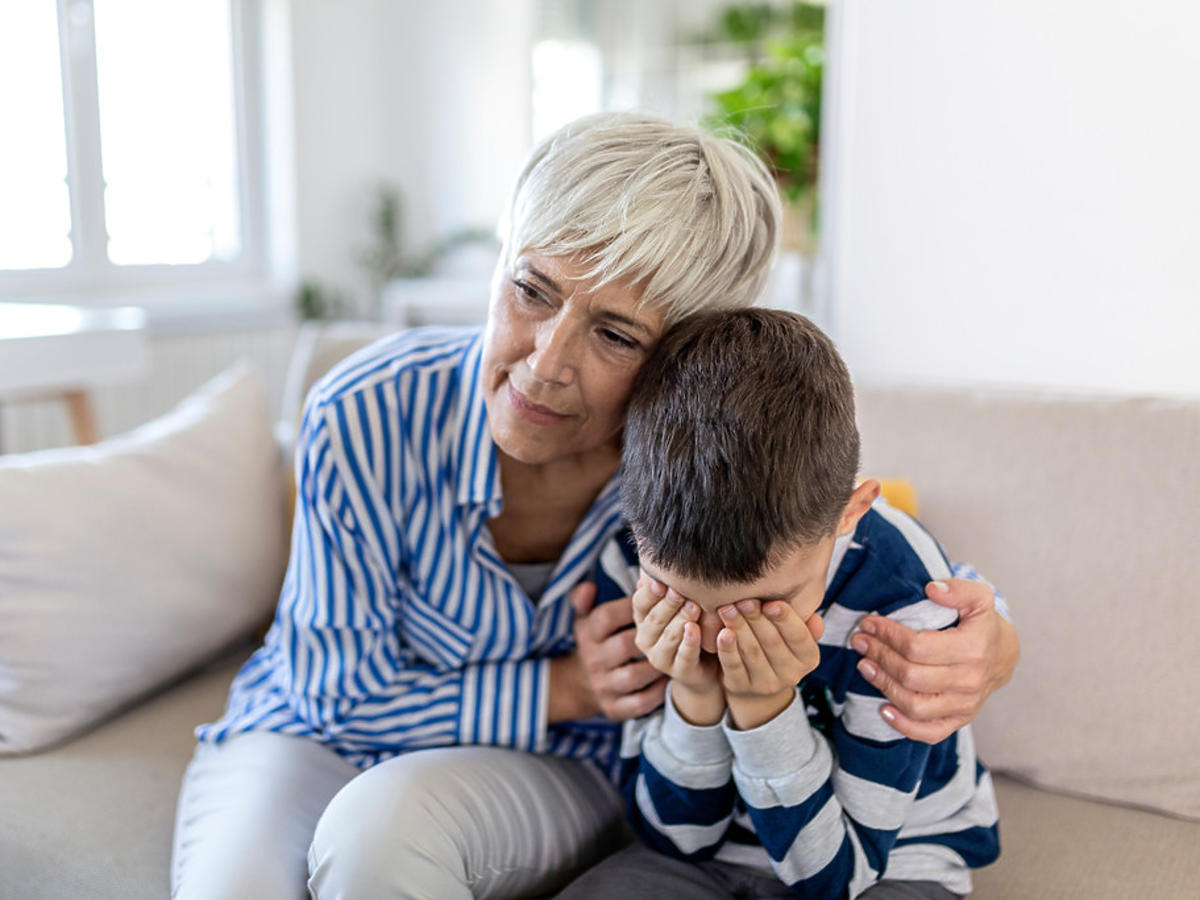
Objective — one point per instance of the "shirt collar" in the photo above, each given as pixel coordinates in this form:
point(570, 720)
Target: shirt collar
point(476, 462)
point(840, 546)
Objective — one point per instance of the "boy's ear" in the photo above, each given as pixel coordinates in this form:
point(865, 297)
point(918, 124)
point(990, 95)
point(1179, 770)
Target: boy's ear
point(860, 501)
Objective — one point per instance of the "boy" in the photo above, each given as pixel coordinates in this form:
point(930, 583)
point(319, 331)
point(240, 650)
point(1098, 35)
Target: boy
point(769, 770)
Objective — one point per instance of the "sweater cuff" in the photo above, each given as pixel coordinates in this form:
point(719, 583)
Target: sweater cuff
point(784, 744)
point(699, 745)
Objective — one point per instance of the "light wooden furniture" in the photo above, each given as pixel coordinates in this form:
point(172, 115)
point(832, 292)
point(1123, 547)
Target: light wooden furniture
point(51, 351)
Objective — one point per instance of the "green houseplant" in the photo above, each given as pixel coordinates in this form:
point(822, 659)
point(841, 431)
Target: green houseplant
point(386, 258)
point(776, 107)
point(429, 285)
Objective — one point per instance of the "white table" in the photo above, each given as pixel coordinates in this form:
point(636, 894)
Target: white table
point(50, 351)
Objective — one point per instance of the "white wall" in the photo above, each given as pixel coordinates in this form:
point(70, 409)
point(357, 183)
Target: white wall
point(1014, 193)
point(431, 96)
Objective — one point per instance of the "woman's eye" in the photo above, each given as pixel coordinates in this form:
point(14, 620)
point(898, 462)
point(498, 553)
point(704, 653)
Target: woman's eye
point(619, 340)
point(527, 290)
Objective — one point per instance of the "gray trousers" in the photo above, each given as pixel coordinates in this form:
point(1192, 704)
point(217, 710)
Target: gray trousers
point(270, 817)
point(638, 873)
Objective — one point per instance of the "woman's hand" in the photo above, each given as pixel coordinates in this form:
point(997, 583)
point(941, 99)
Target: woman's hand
point(764, 651)
point(937, 681)
point(607, 675)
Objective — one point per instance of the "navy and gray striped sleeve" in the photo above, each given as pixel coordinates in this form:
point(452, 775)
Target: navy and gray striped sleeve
point(677, 782)
point(829, 811)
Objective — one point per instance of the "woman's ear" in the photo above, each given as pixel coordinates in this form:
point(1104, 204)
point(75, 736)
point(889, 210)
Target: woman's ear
point(860, 501)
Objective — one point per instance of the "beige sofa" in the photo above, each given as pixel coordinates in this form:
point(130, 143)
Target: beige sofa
point(1082, 511)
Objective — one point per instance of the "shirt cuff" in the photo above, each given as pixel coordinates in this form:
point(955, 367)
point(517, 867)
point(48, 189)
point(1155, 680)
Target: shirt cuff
point(969, 572)
point(1002, 608)
point(698, 745)
point(539, 725)
point(784, 744)
point(505, 704)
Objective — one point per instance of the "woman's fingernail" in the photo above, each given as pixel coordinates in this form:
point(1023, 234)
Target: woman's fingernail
point(888, 713)
point(859, 643)
point(868, 669)
point(941, 587)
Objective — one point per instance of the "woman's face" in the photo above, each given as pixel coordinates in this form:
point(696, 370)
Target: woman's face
point(560, 356)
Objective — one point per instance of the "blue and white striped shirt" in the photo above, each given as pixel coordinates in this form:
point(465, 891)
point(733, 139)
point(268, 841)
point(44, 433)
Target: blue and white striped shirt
point(399, 627)
point(827, 795)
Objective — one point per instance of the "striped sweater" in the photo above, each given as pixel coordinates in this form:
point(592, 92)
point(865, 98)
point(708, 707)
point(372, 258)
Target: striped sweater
point(399, 627)
point(827, 795)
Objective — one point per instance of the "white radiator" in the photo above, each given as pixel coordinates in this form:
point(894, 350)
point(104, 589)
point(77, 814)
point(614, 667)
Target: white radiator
point(179, 364)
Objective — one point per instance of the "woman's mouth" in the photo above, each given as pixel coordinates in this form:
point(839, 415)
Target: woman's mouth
point(534, 412)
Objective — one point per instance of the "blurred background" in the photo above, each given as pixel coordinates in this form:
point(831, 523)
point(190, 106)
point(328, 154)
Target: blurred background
point(1001, 194)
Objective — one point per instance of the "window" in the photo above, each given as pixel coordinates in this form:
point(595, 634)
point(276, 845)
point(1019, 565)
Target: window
point(126, 145)
point(35, 217)
point(756, 66)
point(592, 55)
point(567, 83)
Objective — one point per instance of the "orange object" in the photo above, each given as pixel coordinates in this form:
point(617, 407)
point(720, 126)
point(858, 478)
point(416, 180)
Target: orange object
point(900, 493)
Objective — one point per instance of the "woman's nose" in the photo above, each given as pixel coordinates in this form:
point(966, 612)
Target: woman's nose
point(554, 352)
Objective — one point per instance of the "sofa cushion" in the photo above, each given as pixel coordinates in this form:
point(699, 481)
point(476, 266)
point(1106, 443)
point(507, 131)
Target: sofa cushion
point(1084, 512)
point(94, 817)
point(1057, 846)
point(128, 562)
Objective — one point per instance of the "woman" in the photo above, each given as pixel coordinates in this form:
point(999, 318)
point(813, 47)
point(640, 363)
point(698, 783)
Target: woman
point(454, 491)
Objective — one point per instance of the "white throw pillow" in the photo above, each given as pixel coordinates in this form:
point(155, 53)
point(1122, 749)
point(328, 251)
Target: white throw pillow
point(124, 564)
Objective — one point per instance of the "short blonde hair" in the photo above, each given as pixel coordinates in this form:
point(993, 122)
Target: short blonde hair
point(690, 216)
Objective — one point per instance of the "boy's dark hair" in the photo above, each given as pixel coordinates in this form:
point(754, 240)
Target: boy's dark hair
point(740, 444)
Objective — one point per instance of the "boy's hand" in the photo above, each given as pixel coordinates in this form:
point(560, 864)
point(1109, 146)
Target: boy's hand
point(668, 633)
point(764, 651)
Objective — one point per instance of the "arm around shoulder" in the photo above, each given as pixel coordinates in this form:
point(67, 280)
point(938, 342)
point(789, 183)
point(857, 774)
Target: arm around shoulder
point(937, 681)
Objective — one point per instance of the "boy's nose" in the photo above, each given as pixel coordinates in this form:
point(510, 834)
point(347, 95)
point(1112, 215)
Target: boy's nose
point(710, 627)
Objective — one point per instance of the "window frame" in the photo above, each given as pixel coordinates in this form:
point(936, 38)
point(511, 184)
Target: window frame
point(90, 277)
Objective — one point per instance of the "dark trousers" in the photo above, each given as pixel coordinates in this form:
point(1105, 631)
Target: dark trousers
point(638, 873)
